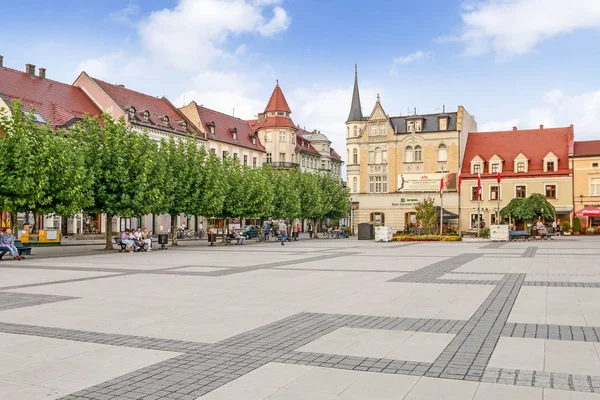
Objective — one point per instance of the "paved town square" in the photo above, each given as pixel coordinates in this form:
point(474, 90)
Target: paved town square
point(320, 319)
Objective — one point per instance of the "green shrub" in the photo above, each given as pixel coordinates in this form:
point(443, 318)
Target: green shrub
point(566, 226)
point(590, 231)
point(485, 233)
point(576, 225)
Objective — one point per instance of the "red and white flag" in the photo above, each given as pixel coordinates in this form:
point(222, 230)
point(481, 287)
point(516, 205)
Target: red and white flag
point(458, 182)
point(499, 177)
point(479, 188)
point(441, 186)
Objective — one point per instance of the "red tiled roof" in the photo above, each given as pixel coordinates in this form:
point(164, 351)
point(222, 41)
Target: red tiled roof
point(303, 145)
point(535, 144)
point(334, 155)
point(56, 102)
point(273, 122)
point(587, 148)
point(156, 106)
point(277, 101)
point(223, 125)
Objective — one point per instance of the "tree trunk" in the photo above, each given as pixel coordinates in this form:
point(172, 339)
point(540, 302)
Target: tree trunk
point(316, 229)
point(174, 227)
point(108, 234)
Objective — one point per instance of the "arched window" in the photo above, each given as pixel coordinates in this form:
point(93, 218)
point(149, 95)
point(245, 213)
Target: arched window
point(355, 185)
point(377, 155)
point(418, 154)
point(355, 156)
point(409, 154)
point(355, 131)
point(442, 153)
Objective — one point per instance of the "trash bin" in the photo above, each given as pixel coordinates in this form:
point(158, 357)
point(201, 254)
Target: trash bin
point(366, 231)
point(212, 238)
point(163, 239)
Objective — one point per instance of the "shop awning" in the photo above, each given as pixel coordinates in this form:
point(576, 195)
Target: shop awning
point(447, 214)
point(589, 211)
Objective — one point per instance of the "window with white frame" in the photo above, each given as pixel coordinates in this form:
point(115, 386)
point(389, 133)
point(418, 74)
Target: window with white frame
point(521, 164)
point(494, 192)
point(418, 154)
point(355, 131)
point(355, 185)
point(382, 130)
point(495, 168)
point(521, 191)
point(355, 156)
point(476, 168)
point(373, 130)
point(595, 186)
point(418, 125)
point(378, 184)
point(520, 167)
point(408, 154)
point(254, 162)
point(442, 153)
point(550, 163)
point(282, 136)
point(443, 124)
point(410, 126)
point(267, 137)
point(269, 158)
point(550, 191)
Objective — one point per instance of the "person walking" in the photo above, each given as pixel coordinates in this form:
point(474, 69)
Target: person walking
point(8, 241)
point(310, 230)
point(282, 232)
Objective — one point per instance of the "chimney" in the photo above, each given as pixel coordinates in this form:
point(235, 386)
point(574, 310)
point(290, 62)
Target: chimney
point(30, 69)
point(1, 61)
point(514, 128)
point(541, 126)
point(42, 73)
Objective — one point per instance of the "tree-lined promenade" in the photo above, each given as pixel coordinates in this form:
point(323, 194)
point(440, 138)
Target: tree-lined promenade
point(102, 166)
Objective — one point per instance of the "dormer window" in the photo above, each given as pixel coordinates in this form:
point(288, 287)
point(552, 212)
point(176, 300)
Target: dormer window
point(477, 164)
point(131, 112)
point(495, 164)
point(183, 124)
point(146, 115)
point(211, 127)
point(495, 168)
point(443, 123)
point(476, 169)
point(233, 132)
point(418, 125)
point(521, 164)
point(165, 120)
point(253, 140)
point(410, 126)
point(550, 163)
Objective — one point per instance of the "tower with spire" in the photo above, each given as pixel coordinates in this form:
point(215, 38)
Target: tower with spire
point(354, 127)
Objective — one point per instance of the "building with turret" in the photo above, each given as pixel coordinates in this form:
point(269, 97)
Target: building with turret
point(396, 162)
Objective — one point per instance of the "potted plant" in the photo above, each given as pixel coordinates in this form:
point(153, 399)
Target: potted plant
point(590, 231)
point(576, 226)
point(566, 227)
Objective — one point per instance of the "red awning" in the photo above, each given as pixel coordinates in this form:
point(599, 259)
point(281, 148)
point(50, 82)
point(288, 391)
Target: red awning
point(589, 211)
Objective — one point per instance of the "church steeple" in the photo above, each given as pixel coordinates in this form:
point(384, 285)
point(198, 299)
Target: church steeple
point(355, 108)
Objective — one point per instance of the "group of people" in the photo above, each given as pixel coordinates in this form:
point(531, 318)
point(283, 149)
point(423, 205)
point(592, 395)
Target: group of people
point(137, 239)
point(7, 241)
point(282, 231)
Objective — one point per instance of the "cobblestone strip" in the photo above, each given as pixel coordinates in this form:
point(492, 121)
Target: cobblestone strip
point(468, 354)
point(541, 379)
point(529, 252)
point(432, 272)
point(112, 339)
point(10, 300)
point(563, 284)
point(370, 364)
point(552, 332)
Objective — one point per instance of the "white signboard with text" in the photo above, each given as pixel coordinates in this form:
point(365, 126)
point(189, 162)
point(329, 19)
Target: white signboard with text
point(425, 182)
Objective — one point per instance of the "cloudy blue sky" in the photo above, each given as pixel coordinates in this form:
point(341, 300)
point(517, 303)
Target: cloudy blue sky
point(509, 62)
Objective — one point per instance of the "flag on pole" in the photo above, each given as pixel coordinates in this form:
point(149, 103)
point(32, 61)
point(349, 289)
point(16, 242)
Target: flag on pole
point(479, 188)
point(458, 182)
point(441, 186)
point(499, 177)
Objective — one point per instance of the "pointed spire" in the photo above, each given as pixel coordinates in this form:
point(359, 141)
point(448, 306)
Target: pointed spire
point(355, 108)
point(378, 98)
point(277, 101)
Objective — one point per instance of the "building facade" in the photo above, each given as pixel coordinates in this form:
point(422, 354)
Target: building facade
point(586, 179)
point(227, 135)
point(396, 162)
point(528, 161)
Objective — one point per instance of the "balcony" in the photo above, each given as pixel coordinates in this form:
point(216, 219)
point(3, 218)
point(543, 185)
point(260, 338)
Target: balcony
point(284, 165)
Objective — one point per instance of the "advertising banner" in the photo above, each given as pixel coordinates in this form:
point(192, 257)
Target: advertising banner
point(426, 182)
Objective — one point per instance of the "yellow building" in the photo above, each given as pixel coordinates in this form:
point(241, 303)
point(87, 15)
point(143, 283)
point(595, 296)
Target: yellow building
point(586, 178)
point(527, 161)
point(396, 162)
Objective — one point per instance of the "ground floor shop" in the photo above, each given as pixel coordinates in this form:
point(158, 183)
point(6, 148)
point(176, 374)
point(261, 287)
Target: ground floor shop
point(398, 209)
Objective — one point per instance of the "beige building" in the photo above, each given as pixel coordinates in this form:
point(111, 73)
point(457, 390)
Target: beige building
point(227, 135)
point(586, 179)
point(527, 162)
point(396, 162)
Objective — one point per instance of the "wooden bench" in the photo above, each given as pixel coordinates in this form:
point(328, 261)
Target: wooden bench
point(120, 243)
point(516, 235)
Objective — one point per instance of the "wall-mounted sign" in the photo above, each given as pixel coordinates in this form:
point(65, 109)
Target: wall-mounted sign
point(425, 182)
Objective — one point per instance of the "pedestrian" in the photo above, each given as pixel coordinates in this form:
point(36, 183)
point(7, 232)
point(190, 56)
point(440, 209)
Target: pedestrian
point(127, 241)
point(8, 241)
point(282, 232)
point(310, 230)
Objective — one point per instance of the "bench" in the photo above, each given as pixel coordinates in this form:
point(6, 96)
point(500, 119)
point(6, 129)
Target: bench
point(119, 242)
point(516, 235)
point(24, 249)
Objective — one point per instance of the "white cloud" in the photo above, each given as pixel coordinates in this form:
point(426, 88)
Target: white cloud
point(513, 27)
point(405, 60)
point(125, 15)
point(101, 67)
point(196, 32)
point(558, 109)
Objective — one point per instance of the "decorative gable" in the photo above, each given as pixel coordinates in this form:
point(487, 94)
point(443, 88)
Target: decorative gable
point(550, 163)
point(521, 164)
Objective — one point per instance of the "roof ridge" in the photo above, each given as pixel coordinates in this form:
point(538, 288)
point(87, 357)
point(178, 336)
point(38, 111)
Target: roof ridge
point(37, 76)
point(126, 88)
point(222, 113)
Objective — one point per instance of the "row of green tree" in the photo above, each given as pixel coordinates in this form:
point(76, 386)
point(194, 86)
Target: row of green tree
point(102, 166)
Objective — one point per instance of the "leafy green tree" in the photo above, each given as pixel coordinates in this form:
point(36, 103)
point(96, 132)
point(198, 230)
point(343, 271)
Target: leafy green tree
point(286, 202)
point(214, 188)
point(43, 170)
point(426, 213)
point(534, 206)
point(261, 192)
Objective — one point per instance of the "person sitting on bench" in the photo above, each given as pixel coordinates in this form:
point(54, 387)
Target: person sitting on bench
point(127, 241)
point(8, 241)
point(237, 236)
